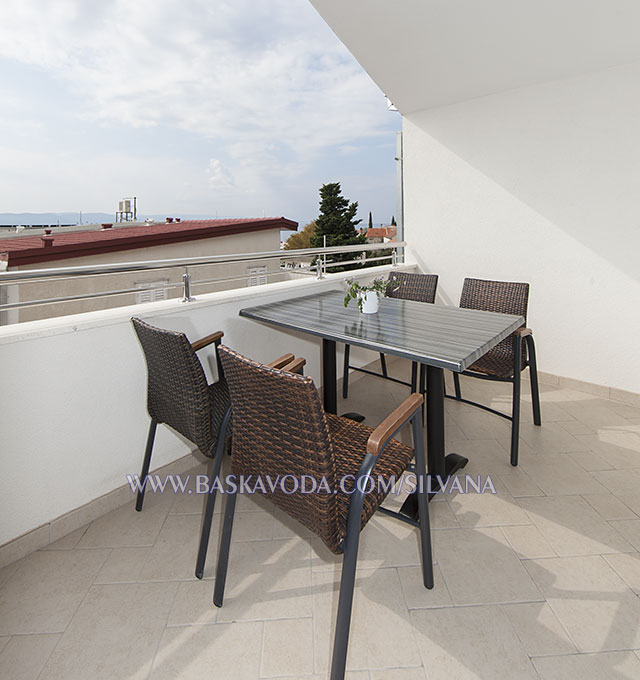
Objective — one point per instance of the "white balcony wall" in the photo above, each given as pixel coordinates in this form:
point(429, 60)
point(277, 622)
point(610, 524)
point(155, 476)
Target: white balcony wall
point(73, 401)
point(539, 184)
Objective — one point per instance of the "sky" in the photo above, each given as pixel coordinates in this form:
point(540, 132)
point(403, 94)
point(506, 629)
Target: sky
point(229, 108)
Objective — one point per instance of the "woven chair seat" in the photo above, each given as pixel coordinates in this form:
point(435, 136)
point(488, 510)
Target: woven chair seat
point(349, 441)
point(498, 361)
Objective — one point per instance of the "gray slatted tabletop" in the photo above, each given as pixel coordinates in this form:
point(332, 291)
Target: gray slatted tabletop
point(441, 336)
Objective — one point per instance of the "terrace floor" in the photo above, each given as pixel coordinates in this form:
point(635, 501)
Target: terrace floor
point(541, 580)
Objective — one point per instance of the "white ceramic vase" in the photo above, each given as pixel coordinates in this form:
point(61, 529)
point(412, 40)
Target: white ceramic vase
point(370, 302)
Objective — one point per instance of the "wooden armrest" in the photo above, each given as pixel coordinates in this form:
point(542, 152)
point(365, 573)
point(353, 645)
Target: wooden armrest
point(281, 361)
point(207, 340)
point(523, 331)
point(381, 435)
point(295, 366)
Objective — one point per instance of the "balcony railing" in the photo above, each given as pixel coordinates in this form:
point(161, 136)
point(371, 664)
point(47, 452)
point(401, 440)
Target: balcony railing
point(315, 262)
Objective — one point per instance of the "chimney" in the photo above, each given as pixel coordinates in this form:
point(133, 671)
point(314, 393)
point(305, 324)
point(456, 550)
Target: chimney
point(106, 225)
point(47, 241)
point(178, 219)
point(169, 220)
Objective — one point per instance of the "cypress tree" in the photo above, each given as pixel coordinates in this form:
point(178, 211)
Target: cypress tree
point(337, 222)
point(337, 219)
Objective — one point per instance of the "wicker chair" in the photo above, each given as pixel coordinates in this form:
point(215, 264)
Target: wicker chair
point(280, 428)
point(178, 396)
point(506, 361)
point(404, 286)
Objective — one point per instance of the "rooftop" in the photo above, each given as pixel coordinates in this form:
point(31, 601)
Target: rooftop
point(382, 232)
point(25, 250)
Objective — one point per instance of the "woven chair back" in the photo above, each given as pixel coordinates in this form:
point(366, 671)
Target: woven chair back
point(177, 390)
point(280, 431)
point(505, 297)
point(412, 286)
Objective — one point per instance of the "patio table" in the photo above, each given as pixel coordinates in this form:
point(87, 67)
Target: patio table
point(437, 336)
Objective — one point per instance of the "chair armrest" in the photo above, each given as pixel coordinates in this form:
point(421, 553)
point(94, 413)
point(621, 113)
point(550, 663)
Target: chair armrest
point(295, 366)
point(392, 423)
point(207, 340)
point(281, 361)
point(523, 331)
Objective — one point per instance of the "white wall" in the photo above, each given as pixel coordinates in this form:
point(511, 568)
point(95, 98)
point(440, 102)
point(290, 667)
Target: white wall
point(540, 184)
point(73, 418)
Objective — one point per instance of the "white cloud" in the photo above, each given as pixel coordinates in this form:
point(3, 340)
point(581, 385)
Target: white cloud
point(90, 184)
point(234, 107)
point(220, 179)
point(262, 72)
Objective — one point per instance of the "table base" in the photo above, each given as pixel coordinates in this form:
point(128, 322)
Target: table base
point(452, 462)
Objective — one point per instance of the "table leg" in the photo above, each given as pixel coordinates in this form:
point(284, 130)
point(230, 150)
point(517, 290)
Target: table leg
point(329, 384)
point(435, 421)
point(439, 465)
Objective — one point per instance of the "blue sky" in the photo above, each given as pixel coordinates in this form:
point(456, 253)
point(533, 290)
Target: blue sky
point(228, 107)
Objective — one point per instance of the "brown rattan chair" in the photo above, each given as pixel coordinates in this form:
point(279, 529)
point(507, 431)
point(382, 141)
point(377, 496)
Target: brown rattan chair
point(506, 361)
point(404, 286)
point(280, 429)
point(178, 396)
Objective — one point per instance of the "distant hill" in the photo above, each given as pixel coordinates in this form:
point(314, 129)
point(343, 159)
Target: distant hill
point(95, 217)
point(55, 218)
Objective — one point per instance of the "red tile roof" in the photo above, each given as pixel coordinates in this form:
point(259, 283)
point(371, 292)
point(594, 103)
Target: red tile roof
point(23, 250)
point(382, 232)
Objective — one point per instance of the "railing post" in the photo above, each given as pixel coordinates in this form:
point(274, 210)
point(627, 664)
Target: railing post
point(319, 269)
point(186, 284)
point(324, 257)
point(394, 257)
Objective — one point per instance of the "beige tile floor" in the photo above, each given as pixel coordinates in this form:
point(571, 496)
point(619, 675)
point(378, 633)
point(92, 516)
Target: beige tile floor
point(541, 580)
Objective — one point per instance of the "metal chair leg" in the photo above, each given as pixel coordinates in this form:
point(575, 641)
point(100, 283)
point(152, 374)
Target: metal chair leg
point(533, 376)
point(423, 505)
point(414, 376)
point(383, 365)
point(345, 372)
point(145, 464)
point(345, 604)
point(422, 382)
point(216, 463)
point(456, 386)
point(223, 555)
point(515, 409)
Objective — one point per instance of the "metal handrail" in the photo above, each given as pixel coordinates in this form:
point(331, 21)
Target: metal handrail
point(146, 265)
point(320, 268)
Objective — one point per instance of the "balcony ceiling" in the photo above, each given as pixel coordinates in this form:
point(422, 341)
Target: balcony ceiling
point(429, 53)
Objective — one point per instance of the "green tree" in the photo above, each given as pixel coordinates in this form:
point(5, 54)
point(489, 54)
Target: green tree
point(301, 239)
point(336, 220)
point(370, 221)
point(338, 223)
point(393, 221)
